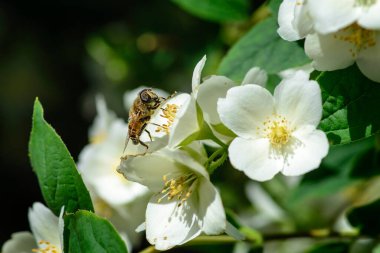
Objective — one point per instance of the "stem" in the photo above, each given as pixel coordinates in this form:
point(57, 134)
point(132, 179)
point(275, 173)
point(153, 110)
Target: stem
point(212, 165)
point(225, 239)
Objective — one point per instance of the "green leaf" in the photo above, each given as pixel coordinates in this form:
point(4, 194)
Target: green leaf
point(274, 5)
point(368, 165)
point(330, 247)
point(350, 105)
point(59, 180)
point(262, 47)
point(216, 10)
point(366, 218)
point(86, 232)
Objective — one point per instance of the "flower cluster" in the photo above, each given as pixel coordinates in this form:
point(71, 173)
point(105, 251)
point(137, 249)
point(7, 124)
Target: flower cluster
point(337, 33)
point(262, 134)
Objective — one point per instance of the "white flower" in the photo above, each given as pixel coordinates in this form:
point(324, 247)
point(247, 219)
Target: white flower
point(185, 204)
point(294, 20)
point(338, 33)
point(46, 236)
point(214, 87)
point(275, 133)
point(330, 16)
point(343, 48)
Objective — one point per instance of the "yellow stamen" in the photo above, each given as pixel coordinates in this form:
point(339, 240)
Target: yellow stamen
point(359, 37)
point(277, 130)
point(46, 247)
point(179, 187)
point(169, 113)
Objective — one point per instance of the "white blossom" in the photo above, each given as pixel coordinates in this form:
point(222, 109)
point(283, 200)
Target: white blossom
point(214, 87)
point(294, 20)
point(185, 204)
point(46, 236)
point(275, 133)
point(331, 16)
point(343, 48)
point(338, 33)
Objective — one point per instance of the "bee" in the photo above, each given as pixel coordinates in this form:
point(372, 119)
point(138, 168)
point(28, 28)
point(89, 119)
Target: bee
point(143, 108)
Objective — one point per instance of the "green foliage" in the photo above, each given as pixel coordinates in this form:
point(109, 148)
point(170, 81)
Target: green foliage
point(59, 180)
point(366, 218)
point(330, 247)
point(274, 5)
point(216, 10)
point(262, 47)
point(350, 105)
point(87, 232)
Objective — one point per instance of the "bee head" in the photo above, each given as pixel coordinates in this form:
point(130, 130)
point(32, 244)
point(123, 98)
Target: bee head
point(148, 96)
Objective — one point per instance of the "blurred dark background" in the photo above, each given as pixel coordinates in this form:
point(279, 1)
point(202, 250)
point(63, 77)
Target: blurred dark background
point(65, 52)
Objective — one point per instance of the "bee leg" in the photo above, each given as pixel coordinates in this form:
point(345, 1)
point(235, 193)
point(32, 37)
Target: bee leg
point(155, 124)
point(169, 97)
point(150, 137)
point(145, 145)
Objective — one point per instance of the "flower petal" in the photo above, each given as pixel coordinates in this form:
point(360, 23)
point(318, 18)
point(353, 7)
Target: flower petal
point(150, 169)
point(369, 60)
point(197, 73)
point(328, 52)
point(103, 120)
point(331, 16)
point(211, 209)
point(299, 100)
point(44, 224)
point(20, 242)
point(168, 224)
point(209, 92)
point(117, 190)
point(370, 19)
point(306, 151)
point(158, 118)
point(307, 68)
point(289, 14)
point(256, 76)
point(255, 158)
point(181, 157)
point(61, 227)
point(245, 108)
point(185, 124)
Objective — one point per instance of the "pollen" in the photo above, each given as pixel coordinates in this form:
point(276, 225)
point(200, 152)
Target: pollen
point(277, 130)
point(179, 187)
point(358, 37)
point(169, 113)
point(46, 247)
